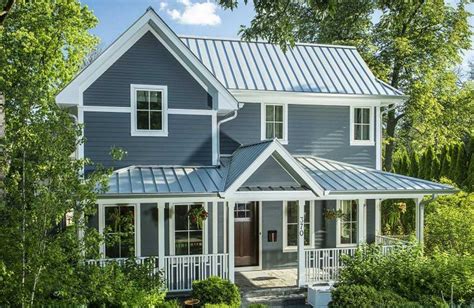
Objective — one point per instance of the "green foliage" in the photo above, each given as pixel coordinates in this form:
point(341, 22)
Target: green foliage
point(366, 297)
point(216, 290)
point(411, 275)
point(258, 306)
point(449, 224)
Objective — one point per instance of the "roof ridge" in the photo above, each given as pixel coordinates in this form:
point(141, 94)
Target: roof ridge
point(236, 39)
point(253, 144)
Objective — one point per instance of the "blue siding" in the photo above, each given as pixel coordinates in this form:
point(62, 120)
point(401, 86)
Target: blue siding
point(147, 62)
point(270, 173)
point(189, 141)
point(149, 229)
point(322, 131)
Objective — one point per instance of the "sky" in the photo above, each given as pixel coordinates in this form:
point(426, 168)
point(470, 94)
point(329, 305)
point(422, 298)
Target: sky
point(191, 17)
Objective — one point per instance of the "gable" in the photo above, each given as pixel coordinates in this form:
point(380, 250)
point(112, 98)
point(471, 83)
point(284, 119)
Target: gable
point(270, 175)
point(147, 62)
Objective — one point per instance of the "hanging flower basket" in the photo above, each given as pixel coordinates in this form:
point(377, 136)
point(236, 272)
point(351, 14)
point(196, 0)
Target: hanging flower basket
point(198, 216)
point(333, 214)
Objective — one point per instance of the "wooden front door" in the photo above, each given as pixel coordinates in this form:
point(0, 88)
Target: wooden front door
point(246, 234)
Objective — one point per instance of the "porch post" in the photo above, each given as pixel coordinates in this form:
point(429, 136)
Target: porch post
point(161, 235)
point(420, 220)
point(378, 218)
point(230, 241)
point(301, 256)
point(361, 221)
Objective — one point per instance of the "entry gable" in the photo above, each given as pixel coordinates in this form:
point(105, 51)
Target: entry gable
point(249, 163)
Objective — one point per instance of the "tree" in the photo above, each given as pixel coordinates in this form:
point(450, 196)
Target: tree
point(414, 47)
point(6, 6)
point(42, 46)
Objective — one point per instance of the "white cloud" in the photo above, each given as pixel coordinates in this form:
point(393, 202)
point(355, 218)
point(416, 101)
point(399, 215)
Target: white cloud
point(199, 13)
point(163, 5)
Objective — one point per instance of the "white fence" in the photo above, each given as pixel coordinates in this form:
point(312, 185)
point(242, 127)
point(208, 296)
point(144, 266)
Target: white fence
point(180, 271)
point(323, 265)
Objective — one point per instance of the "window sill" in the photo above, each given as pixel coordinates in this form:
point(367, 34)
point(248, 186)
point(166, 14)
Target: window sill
point(149, 133)
point(362, 143)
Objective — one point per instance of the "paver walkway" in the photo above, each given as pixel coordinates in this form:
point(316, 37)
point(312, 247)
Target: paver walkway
point(282, 278)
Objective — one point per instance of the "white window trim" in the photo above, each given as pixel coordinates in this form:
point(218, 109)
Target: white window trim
point(137, 224)
point(172, 242)
point(369, 142)
point(287, 248)
point(263, 135)
point(164, 103)
point(338, 225)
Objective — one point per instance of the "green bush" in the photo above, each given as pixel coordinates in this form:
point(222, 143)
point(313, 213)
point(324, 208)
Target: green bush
point(365, 296)
point(216, 290)
point(410, 274)
point(258, 306)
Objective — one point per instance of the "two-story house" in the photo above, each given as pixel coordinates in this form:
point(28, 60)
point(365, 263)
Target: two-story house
point(267, 144)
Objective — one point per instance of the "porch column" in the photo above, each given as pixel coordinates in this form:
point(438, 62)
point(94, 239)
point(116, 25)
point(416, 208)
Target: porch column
point(420, 220)
point(161, 235)
point(301, 256)
point(378, 218)
point(361, 221)
point(230, 241)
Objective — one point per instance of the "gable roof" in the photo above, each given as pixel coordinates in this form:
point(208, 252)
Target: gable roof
point(148, 22)
point(313, 68)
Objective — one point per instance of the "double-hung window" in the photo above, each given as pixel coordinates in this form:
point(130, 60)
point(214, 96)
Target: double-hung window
point(149, 114)
point(274, 122)
point(348, 222)
point(362, 126)
point(188, 238)
point(119, 231)
point(290, 222)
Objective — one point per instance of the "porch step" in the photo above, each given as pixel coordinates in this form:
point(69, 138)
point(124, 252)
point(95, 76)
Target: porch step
point(275, 297)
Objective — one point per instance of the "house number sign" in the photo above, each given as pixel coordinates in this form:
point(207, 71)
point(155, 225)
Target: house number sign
point(301, 226)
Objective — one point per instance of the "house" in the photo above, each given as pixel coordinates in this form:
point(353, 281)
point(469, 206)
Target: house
point(269, 145)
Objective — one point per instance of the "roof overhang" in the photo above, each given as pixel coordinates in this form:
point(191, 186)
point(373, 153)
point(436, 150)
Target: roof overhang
point(311, 98)
point(71, 95)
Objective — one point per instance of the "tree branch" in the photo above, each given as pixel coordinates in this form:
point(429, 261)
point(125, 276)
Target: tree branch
point(3, 14)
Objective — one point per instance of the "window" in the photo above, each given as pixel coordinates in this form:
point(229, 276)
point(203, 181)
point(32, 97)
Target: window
point(274, 122)
point(149, 116)
point(119, 231)
point(362, 130)
point(290, 222)
point(348, 222)
point(243, 211)
point(188, 238)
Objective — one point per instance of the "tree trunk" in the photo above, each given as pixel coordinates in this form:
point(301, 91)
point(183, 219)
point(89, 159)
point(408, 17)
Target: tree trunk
point(5, 9)
point(390, 146)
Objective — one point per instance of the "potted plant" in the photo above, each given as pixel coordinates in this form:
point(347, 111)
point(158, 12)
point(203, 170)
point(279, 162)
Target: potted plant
point(198, 215)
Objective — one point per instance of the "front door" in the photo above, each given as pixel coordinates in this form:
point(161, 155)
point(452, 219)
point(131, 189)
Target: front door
point(246, 234)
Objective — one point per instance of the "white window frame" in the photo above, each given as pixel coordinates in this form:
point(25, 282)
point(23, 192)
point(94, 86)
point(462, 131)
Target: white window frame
point(287, 248)
point(338, 225)
point(369, 142)
point(137, 224)
point(172, 229)
point(164, 104)
point(263, 122)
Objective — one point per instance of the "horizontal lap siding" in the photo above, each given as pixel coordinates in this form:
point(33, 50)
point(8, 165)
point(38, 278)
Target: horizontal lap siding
point(147, 62)
point(189, 141)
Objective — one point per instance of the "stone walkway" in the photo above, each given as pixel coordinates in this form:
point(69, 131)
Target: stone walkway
point(283, 278)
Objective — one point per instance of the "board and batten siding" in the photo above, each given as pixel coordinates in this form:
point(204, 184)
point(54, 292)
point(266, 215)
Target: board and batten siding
point(189, 141)
point(147, 62)
point(322, 131)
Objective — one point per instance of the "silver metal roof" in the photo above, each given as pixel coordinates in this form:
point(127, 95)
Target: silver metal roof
point(243, 65)
point(335, 178)
point(341, 178)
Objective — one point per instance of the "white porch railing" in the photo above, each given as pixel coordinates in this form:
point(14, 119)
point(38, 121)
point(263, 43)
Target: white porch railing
point(180, 271)
point(391, 240)
point(323, 265)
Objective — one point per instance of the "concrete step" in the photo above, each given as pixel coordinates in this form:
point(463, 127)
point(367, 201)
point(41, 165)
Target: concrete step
point(275, 297)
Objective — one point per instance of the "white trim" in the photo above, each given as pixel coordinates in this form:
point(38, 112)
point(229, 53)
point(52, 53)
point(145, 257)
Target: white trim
point(243, 196)
point(106, 109)
point(150, 21)
point(215, 226)
point(275, 147)
point(137, 224)
point(205, 231)
point(172, 239)
point(378, 138)
point(282, 97)
point(231, 246)
point(419, 220)
point(215, 140)
point(378, 217)
point(263, 122)
point(287, 248)
point(203, 112)
point(161, 233)
point(163, 132)
point(301, 253)
point(369, 142)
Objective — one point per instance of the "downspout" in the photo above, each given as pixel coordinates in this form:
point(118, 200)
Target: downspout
point(219, 123)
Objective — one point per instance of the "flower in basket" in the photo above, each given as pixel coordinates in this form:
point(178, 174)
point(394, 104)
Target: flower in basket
point(198, 215)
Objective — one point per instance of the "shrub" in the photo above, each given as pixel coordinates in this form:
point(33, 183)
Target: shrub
point(365, 296)
point(216, 290)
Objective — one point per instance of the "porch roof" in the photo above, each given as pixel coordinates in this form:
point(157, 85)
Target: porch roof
point(331, 177)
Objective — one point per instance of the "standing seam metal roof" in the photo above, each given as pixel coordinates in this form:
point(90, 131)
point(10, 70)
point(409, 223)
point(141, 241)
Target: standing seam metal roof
point(246, 65)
